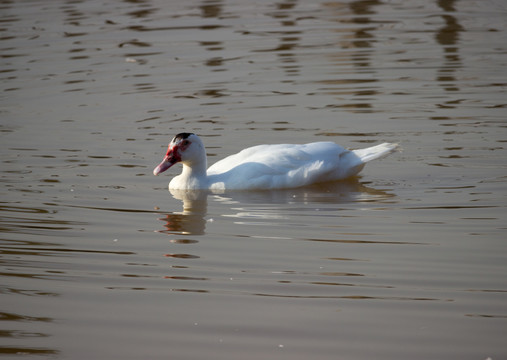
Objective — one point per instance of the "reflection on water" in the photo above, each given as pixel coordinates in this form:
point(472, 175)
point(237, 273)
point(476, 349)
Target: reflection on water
point(25, 259)
point(288, 38)
point(97, 259)
point(448, 37)
point(275, 210)
point(192, 220)
point(269, 209)
point(211, 8)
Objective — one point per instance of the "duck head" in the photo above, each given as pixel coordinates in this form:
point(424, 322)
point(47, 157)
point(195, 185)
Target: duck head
point(186, 148)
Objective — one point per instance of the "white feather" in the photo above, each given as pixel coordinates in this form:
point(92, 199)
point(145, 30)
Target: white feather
point(274, 166)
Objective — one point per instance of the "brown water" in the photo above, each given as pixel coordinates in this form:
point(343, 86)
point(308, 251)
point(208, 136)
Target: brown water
point(100, 261)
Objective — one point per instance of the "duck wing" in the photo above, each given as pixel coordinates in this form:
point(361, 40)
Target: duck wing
point(283, 166)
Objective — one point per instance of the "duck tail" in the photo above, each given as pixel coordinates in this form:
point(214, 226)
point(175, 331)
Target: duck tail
point(376, 152)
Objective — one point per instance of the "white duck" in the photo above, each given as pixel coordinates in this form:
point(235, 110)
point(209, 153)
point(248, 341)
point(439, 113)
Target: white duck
point(265, 166)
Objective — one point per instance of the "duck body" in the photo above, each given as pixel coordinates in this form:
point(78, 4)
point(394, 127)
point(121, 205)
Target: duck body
point(265, 166)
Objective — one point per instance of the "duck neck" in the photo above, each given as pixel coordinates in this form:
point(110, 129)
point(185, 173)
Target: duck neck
point(194, 174)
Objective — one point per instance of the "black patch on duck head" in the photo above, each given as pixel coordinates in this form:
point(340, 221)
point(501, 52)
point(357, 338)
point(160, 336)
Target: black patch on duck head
point(182, 136)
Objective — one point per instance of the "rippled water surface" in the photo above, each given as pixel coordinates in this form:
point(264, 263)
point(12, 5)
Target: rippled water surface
point(100, 261)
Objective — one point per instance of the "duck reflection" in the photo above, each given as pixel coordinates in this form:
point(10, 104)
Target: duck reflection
point(192, 220)
point(336, 192)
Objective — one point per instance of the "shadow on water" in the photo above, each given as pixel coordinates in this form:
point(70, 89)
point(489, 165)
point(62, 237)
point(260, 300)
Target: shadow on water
point(192, 220)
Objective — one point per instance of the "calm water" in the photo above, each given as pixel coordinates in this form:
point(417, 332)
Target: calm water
point(100, 261)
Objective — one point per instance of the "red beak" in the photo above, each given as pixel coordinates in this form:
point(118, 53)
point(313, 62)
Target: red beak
point(170, 159)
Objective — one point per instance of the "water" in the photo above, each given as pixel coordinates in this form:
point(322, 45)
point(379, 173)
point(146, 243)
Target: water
point(99, 260)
